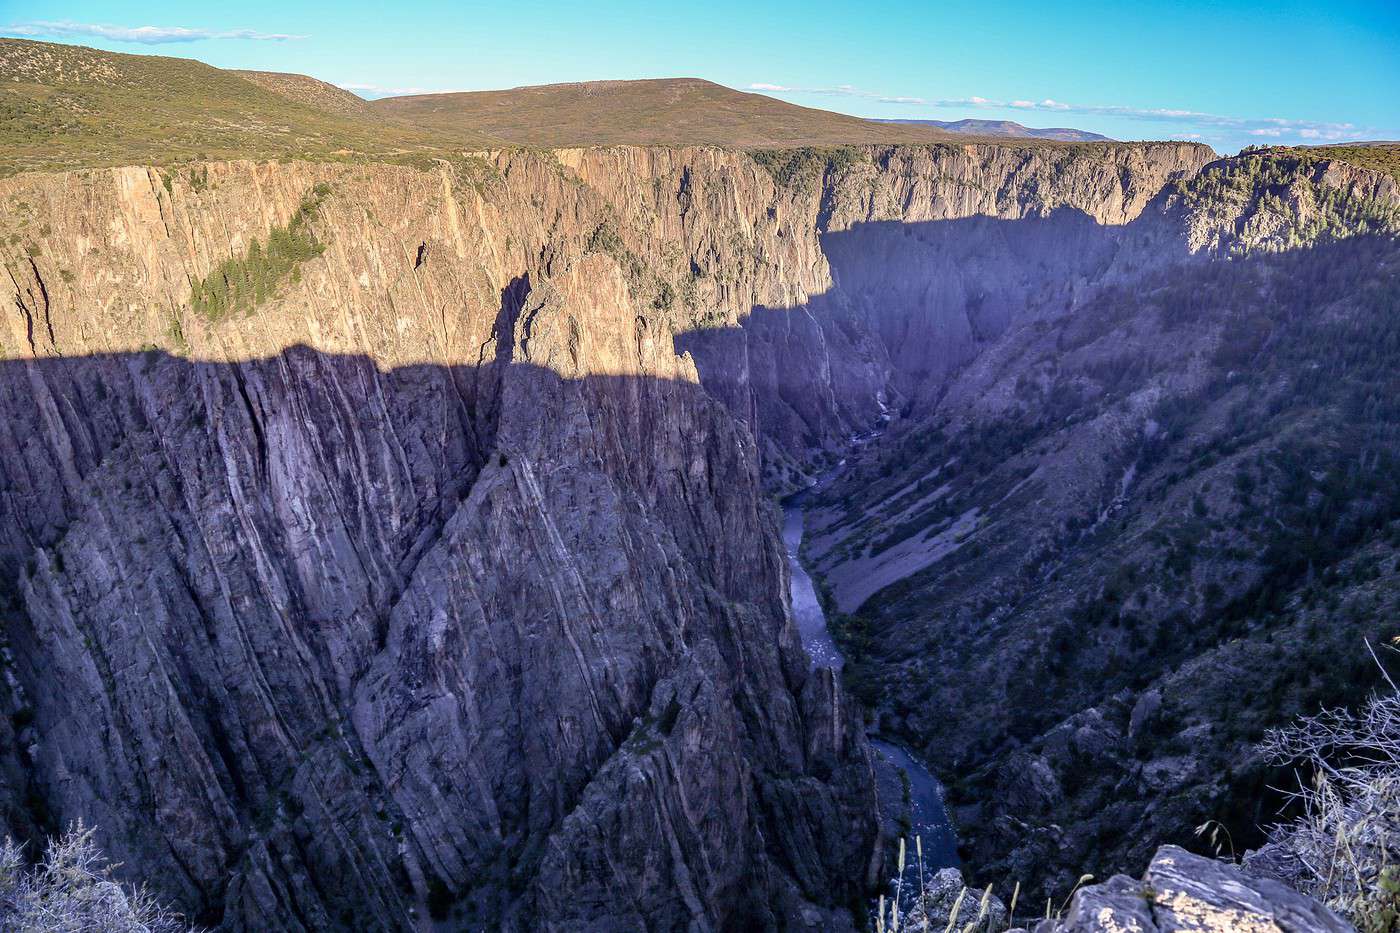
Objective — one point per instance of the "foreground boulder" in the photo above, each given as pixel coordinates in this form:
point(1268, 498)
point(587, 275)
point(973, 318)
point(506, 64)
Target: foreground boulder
point(1181, 891)
point(948, 902)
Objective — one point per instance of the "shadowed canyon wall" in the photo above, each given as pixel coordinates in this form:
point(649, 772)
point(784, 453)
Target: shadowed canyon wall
point(1152, 514)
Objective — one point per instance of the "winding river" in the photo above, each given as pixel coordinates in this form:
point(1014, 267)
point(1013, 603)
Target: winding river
point(907, 790)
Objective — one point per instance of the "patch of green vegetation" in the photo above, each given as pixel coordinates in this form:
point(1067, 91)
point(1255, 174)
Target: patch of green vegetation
point(802, 168)
point(1383, 157)
point(239, 285)
point(1270, 182)
point(643, 284)
point(176, 333)
point(653, 729)
point(1382, 913)
point(605, 239)
point(467, 171)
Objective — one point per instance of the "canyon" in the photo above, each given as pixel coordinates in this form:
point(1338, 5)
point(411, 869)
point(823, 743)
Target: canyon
point(391, 544)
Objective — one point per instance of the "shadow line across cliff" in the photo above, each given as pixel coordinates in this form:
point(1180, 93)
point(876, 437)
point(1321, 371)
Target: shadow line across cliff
point(267, 621)
point(209, 557)
point(291, 507)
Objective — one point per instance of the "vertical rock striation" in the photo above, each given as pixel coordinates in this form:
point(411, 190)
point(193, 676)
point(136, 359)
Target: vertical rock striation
point(434, 584)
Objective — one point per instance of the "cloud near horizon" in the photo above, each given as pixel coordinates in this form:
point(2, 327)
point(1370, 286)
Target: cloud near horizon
point(1269, 127)
point(374, 91)
point(146, 35)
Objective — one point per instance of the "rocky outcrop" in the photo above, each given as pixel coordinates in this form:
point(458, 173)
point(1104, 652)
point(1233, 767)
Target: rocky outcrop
point(946, 902)
point(1185, 892)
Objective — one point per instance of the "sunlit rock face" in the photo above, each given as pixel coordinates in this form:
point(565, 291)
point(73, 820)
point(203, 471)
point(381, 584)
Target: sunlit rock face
point(1181, 892)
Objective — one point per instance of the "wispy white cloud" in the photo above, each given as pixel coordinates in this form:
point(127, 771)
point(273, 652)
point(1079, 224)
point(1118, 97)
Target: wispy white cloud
point(375, 90)
point(146, 35)
point(1268, 127)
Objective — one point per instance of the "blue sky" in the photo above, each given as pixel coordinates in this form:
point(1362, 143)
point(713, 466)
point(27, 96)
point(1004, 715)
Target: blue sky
point(1228, 72)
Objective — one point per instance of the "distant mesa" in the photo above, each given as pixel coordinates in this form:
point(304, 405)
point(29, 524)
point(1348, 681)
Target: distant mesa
point(1062, 134)
point(656, 112)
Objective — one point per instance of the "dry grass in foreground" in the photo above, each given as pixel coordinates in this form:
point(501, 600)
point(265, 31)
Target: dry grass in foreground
point(1345, 848)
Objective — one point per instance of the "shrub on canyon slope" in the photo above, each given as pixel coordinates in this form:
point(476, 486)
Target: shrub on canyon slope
point(71, 891)
point(1345, 848)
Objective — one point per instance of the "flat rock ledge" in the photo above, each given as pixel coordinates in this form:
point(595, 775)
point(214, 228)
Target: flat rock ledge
point(1185, 892)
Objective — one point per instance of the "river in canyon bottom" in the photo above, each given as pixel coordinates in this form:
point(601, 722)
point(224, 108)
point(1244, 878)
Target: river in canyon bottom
point(909, 793)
